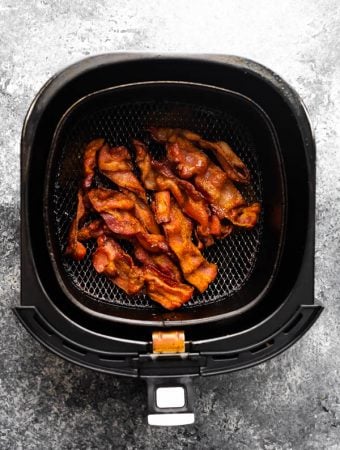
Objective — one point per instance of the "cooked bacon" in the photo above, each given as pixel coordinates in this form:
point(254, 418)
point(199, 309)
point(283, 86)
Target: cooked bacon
point(115, 163)
point(246, 216)
point(215, 184)
point(92, 230)
point(232, 165)
point(107, 200)
point(219, 191)
point(170, 293)
point(159, 177)
point(75, 248)
point(189, 199)
point(89, 161)
point(161, 206)
point(143, 161)
point(163, 279)
point(124, 224)
point(225, 199)
point(155, 243)
point(160, 261)
point(189, 160)
point(110, 259)
point(196, 270)
point(116, 209)
point(200, 191)
point(143, 213)
point(121, 222)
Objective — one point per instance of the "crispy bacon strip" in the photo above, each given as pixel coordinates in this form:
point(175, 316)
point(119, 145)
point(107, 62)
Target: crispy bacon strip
point(161, 206)
point(115, 163)
point(75, 248)
point(143, 161)
point(93, 230)
point(170, 293)
point(143, 213)
point(189, 199)
point(225, 199)
point(159, 177)
point(111, 260)
point(233, 166)
point(160, 261)
point(89, 161)
point(124, 224)
point(216, 185)
point(196, 270)
point(107, 200)
point(189, 160)
point(116, 209)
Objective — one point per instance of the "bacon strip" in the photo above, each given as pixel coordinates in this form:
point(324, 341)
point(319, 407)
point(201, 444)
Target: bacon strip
point(158, 176)
point(161, 206)
point(225, 199)
point(143, 213)
point(196, 270)
point(75, 248)
point(89, 161)
point(115, 163)
point(116, 209)
point(189, 161)
point(170, 293)
point(160, 261)
point(215, 184)
point(92, 230)
point(110, 259)
point(233, 166)
point(107, 200)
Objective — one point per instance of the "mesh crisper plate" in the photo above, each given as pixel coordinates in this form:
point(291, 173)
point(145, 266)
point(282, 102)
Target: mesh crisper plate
point(235, 255)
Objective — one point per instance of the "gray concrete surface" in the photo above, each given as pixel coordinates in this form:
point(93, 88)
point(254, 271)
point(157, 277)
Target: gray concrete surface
point(291, 402)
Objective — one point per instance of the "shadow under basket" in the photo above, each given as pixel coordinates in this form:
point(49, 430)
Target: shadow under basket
point(263, 298)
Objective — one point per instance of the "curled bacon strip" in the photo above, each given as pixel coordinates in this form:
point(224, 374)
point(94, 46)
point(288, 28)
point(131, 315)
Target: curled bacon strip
point(111, 260)
point(89, 161)
point(161, 206)
point(196, 269)
point(169, 293)
point(116, 209)
point(215, 184)
point(159, 177)
point(92, 230)
point(115, 163)
point(160, 261)
point(75, 248)
point(233, 166)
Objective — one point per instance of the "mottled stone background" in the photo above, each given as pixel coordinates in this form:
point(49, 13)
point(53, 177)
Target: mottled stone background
point(291, 402)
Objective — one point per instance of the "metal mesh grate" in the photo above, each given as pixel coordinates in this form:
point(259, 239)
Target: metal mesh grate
point(235, 255)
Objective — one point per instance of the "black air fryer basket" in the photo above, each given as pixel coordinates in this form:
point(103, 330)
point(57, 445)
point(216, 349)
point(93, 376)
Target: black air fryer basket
point(263, 298)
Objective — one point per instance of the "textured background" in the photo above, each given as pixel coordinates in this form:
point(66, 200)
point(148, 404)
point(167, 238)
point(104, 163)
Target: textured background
point(291, 402)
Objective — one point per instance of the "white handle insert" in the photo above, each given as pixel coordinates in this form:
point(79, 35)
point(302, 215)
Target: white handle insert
point(170, 397)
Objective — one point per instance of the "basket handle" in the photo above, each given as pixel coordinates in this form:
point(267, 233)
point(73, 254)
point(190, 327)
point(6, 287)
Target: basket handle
point(170, 401)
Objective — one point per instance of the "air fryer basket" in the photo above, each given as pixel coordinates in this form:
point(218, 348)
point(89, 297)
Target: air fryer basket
point(263, 301)
point(216, 115)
